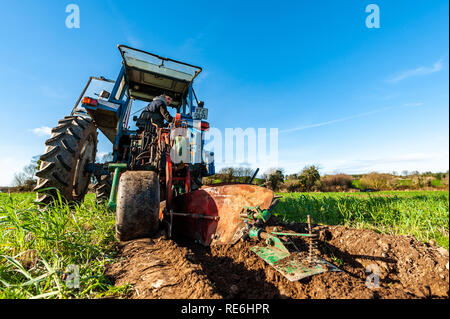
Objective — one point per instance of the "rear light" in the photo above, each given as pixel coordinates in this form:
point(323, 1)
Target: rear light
point(204, 126)
point(88, 101)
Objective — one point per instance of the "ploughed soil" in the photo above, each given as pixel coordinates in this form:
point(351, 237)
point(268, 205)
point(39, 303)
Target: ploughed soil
point(162, 268)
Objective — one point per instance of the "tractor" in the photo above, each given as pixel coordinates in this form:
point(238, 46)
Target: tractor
point(152, 163)
point(153, 181)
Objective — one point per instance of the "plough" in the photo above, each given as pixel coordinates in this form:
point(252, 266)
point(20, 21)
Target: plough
point(219, 215)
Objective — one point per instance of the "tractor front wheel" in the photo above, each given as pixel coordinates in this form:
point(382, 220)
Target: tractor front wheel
point(137, 209)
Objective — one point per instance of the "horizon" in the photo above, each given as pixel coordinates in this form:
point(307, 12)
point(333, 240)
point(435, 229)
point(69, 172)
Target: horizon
point(260, 174)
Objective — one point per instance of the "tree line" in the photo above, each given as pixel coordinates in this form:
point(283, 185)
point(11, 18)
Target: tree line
point(309, 180)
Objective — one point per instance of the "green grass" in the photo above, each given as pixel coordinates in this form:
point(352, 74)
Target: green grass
point(422, 214)
point(38, 247)
point(436, 183)
point(405, 182)
point(357, 183)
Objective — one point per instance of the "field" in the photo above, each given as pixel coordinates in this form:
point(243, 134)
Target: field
point(41, 247)
point(422, 214)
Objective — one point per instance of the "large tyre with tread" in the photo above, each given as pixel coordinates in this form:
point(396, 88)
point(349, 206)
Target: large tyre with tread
point(103, 188)
point(72, 145)
point(137, 209)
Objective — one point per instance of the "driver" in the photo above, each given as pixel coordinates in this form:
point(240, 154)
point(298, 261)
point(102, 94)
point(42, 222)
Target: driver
point(157, 110)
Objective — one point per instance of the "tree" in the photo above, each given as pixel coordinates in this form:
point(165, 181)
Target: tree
point(26, 179)
point(336, 183)
point(292, 185)
point(308, 177)
point(292, 177)
point(376, 181)
point(228, 174)
point(248, 172)
point(274, 178)
point(234, 174)
point(445, 179)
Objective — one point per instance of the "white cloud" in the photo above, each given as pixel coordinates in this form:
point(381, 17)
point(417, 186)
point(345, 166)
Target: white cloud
point(104, 156)
point(42, 131)
point(423, 70)
point(304, 127)
point(101, 154)
point(413, 104)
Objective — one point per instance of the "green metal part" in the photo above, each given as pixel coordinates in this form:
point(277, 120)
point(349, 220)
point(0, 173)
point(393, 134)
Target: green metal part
point(253, 233)
point(291, 266)
point(117, 168)
point(270, 254)
point(264, 215)
point(292, 234)
point(256, 213)
point(276, 243)
point(272, 241)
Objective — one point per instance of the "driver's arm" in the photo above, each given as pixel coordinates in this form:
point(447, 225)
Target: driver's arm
point(165, 113)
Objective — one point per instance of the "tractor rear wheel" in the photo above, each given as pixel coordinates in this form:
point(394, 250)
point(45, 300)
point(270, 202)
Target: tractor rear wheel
point(137, 209)
point(72, 145)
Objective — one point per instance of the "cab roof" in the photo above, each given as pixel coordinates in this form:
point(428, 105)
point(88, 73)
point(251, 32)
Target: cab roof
point(149, 75)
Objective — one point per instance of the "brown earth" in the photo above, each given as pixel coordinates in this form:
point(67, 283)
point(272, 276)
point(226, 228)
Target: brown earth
point(161, 268)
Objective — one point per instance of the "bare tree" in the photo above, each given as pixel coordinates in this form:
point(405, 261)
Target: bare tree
point(27, 179)
point(228, 174)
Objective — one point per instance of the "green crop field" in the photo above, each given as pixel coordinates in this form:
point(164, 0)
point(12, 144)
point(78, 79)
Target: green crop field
point(38, 246)
point(41, 249)
point(422, 214)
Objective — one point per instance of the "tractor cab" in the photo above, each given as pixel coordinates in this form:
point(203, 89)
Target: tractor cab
point(143, 77)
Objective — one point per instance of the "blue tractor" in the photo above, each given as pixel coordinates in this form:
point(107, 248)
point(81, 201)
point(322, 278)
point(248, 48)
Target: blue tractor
point(154, 163)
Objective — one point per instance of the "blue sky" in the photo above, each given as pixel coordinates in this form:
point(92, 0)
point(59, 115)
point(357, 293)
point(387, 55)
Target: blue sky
point(345, 97)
